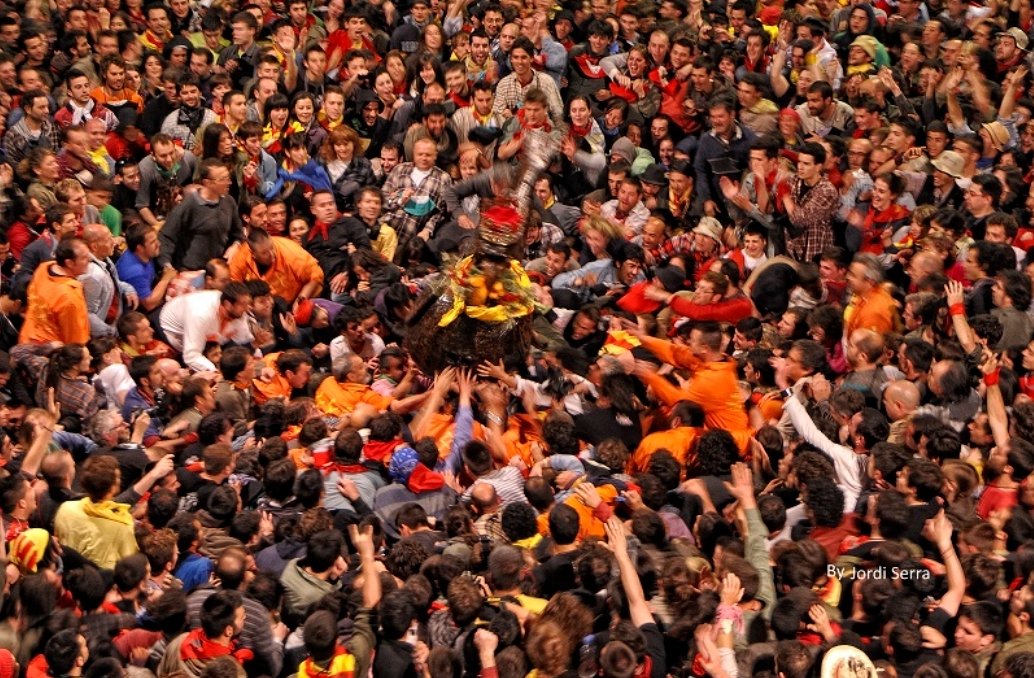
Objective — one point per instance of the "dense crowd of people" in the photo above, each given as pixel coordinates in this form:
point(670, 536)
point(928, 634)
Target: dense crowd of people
point(777, 417)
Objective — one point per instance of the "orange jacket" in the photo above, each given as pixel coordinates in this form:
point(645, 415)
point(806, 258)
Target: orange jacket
point(277, 387)
point(337, 399)
point(57, 309)
point(293, 268)
point(679, 441)
point(876, 311)
point(714, 387)
point(590, 523)
point(442, 427)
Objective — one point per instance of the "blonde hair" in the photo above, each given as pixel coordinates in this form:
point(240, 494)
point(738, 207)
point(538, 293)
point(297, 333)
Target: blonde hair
point(606, 227)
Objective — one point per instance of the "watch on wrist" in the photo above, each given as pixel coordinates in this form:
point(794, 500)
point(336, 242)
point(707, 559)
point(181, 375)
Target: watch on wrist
point(787, 393)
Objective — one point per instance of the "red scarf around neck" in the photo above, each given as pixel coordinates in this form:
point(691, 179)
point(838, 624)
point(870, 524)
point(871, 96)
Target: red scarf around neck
point(545, 126)
point(319, 229)
point(580, 132)
point(198, 647)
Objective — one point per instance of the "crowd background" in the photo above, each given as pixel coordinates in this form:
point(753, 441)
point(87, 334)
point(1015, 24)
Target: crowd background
point(777, 419)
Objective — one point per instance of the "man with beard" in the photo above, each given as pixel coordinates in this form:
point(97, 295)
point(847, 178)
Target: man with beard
point(162, 175)
point(479, 65)
point(222, 621)
point(81, 106)
point(368, 123)
point(823, 115)
point(35, 129)
point(191, 321)
point(477, 115)
point(434, 128)
point(184, 124)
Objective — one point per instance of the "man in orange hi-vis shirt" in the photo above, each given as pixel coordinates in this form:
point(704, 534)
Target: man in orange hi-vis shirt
point(292, 273)
point(871, 307)
point(713, 386)
point(684, 425)
point(351, 396)
point(57, 306)
point(283, 373)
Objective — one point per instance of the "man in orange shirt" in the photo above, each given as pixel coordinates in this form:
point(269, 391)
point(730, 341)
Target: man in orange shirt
point(714, 384)
point(871, 308)
point(683, 428)
point(282, 374)
point(351, 398)
point(292, 273)
point(57, 306)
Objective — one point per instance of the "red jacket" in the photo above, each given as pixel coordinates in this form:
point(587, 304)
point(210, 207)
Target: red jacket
point(728, 310)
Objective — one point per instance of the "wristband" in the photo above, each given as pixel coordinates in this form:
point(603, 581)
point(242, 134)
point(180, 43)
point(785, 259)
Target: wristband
point(991, 379)
point(787, 393)
point(957, 309)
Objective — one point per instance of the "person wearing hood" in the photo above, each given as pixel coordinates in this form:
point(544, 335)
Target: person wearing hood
point(860, 21)
point(367, 122)
point(638, 157)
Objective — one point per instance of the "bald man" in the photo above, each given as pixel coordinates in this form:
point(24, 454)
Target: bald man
point(900, 400)
point(174, 375)
point(106, 295)
point(924, 264)
point(864, 351)
point(485, 503)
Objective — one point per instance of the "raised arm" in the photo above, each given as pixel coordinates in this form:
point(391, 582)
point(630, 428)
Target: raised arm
point(951, 83)
point(938, 530)
point(1013, 84)
point(997, 417)
point(639, 611)
point(957, 311)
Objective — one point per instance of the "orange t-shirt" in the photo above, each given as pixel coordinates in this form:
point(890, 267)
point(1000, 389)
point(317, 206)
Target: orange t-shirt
point(679, 441)
point(589, 526)
point(337, 399)
point(293, 268)
point(263, 391)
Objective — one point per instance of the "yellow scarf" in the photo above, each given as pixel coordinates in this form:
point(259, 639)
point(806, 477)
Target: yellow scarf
point(108, 510)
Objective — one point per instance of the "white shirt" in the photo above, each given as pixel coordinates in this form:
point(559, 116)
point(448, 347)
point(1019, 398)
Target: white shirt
point(340, 350)
point(115, 381)
point(190, 321)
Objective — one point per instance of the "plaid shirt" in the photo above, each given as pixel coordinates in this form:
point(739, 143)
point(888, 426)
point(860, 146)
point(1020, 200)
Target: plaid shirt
point(19, 140)
point(509, 95)
point(814, 214)
point(75, 396)
point(433, 186)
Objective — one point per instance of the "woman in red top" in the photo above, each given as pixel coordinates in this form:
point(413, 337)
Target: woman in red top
point(885, 216)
